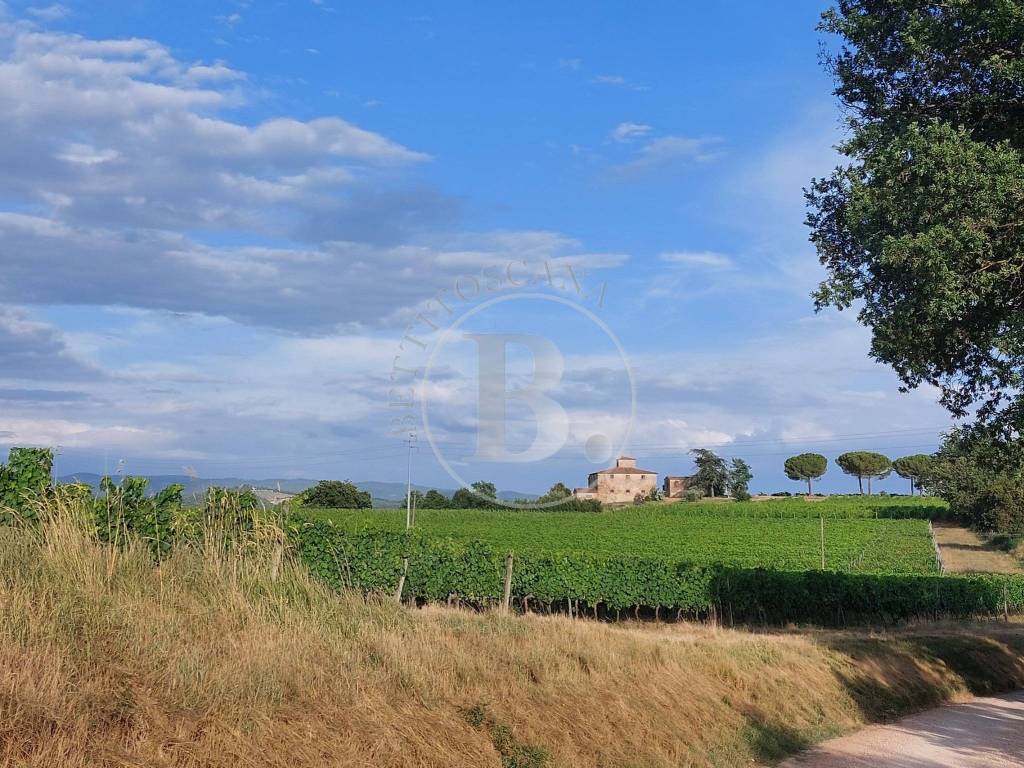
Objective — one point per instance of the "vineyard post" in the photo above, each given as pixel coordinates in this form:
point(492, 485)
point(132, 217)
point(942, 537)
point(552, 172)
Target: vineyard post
point(401, 581)
point(822, 519)
point(506, 595)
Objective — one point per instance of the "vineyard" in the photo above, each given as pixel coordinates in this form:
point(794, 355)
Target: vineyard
point(783, 534)
point(748, 562)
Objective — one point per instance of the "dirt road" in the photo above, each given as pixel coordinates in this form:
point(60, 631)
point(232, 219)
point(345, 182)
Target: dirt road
point(963, 551)
point(983, 733)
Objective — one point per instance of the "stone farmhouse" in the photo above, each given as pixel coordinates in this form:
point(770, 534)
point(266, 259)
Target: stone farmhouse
point(675, 486)
point(620, 484)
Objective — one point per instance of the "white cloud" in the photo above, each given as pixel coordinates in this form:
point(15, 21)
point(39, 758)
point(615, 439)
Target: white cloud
point(704, 259)
point(54, 12)
point(618, 81)
point(625, 132)
point(668, 152)
point(121, 132)
point(124, 177)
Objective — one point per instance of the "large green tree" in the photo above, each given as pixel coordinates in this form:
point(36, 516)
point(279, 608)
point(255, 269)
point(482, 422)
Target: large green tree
point(712, 474)
point(479, 495)
point(740, 476)
point(864, 465)
point(557, 492)
point(806, 467)
point(923, 226)
point(434, 499)
point(979, 472)
point(914, 468)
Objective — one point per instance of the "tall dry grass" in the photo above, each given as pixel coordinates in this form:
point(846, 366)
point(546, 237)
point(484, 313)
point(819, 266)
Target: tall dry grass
point(229, 655)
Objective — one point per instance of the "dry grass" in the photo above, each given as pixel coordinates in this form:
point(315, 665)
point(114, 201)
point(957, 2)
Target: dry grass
point(964, 551)
point(227, 658)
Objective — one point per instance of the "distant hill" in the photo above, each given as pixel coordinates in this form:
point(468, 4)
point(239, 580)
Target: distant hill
point(385, 495)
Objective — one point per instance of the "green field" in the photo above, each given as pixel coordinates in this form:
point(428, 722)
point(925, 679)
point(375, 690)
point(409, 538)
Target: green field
point(783, 534)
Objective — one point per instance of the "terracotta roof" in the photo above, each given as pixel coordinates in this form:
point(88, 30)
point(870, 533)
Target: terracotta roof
point(624, 471)
point(628, 458)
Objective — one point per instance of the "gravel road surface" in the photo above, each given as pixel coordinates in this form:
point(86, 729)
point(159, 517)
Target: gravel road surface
point(982, 733)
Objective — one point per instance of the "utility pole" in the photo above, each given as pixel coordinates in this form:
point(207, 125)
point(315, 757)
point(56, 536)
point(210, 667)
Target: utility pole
point(56, 452)
point(822, 542)
point(411, 443)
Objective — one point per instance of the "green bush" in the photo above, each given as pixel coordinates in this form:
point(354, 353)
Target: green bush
point(24, 481)
point(335, 494)
point(126, 510)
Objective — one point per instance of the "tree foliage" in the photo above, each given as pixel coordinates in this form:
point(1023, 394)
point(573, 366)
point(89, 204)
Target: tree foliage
point(712, 474)
point(479, 495)
point(914, 468)
point(126, 509)
point(923, 228)
point(335, 494)
point(978, 471)
point(806, 467)
point(557, 492)
point(739, 480)
point(434, 499)
point(24, 479)
point(865, 464)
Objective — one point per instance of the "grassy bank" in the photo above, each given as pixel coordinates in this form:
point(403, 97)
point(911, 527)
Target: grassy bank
point(230, 656)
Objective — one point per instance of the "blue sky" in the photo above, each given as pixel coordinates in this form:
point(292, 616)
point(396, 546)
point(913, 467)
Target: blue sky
point(216, 220)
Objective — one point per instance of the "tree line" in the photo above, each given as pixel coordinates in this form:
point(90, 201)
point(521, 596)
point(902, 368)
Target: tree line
point(864, 465)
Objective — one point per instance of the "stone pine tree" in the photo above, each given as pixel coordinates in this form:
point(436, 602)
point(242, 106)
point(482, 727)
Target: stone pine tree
point(806, 467)
point(914, 468)
point(865, 465)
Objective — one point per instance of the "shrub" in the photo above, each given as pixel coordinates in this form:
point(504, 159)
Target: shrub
point(335, 494)
point(572, 504)
point(24, 481)
point(125, 509)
